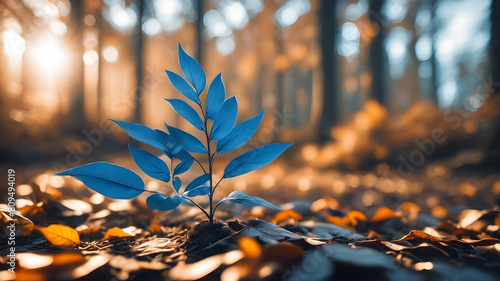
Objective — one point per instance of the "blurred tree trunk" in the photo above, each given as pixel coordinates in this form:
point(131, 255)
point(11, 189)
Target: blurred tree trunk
point(377, 60)
point(495, 46)
point(76, 120)
point(138, 41)
point(200, 10)
point(494, 92)
point(328, 29)
point(434, 28)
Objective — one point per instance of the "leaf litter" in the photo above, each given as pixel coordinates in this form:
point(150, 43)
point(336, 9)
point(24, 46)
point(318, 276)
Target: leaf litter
point(314, 239)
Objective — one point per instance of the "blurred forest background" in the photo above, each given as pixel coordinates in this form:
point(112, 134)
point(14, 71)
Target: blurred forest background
point(354, 83)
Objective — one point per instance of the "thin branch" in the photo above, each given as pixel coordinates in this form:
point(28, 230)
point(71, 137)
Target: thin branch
point(215, 208)
point(200, 165)
point(197, 205)
point(213, 191)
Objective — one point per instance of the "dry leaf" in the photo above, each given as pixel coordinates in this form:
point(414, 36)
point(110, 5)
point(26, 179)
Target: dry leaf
point(60, 235)
point(21, 220)
point(92, 263)
point(284, 252)
point(383, 213)
point(411, 209)
point(64, 259)
point(86, 230)
point(355, 216)
point(340, 221)
point(250, 247)
point(197, 270)
point(116, 232)
point(34, 261)
point(285, 215)
point(132, 265)
point(155, 246)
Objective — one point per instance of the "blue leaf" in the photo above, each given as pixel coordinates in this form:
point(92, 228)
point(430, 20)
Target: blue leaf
point(182, 86)
point(240, 134)
point(161, 202)
point(254, 159)
point(198, 191)
point(150, 164)
point(215, 96)
point(171, 146)
point(177, 183)
point(188, 141)
point(192, 70)
point(241, 198)
point(224, 119)
point(110, 180)
point(183, 166)
point(183, 155)
point(197, 182)
point(186, 202)
point(141, 133)
point(187, 112)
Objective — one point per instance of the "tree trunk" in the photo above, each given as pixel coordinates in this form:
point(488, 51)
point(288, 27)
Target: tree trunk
point(199, 31)
point(377, 58)
point(75, 120)
point(495, 47)
point(139, 62)
point(328, 28)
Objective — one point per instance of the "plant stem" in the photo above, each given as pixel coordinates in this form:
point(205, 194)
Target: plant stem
point(215, 208)
point(210, 195)
point(197, 205)
point(200, 165)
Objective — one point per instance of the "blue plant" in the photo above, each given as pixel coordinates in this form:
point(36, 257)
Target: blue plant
point(217, 122)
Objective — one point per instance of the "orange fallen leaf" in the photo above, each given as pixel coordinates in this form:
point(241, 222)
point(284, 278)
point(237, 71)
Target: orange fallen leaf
point(64, 259)
point(155, 227)
point(60, 235)
point(439, 212)
point(383, 213)
point(411, 209)
point(250, 247)
point(372, 234)
point(115, 232)
point(85, 230)
point(284, 252)
point(324, 204)
point(340, 221)
point(285, 215)
point(355, 216)
point(420, 235)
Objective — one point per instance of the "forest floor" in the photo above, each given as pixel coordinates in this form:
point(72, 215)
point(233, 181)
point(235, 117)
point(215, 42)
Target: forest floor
point(438, 224)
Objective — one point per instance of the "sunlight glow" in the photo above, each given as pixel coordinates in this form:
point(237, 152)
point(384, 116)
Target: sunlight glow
point(423, 48)
point(110, 54)
point(168, 8)
point(14, 44)
point(235, 15)
point(151, 27)
point(216, 26)
point(225, 45)
point(123, 18)
point(48, 54)
point(58, 27)
point(290, 12)
point(395, 10)
point(447, 93)
point(350, 31)
point(90, 57)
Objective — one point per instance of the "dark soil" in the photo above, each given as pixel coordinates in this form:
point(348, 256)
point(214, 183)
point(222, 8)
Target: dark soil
point(203, 235)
